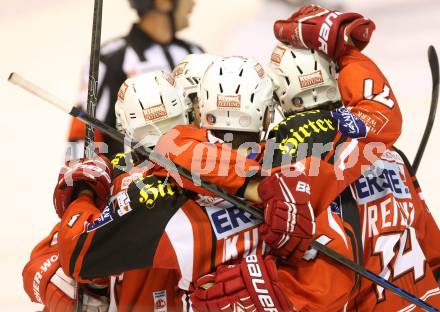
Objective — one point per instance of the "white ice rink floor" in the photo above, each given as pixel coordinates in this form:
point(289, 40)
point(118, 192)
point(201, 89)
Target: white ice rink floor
point(47, 41)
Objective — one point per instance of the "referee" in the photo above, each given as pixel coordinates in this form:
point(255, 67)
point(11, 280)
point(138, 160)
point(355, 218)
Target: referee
point(151, 44)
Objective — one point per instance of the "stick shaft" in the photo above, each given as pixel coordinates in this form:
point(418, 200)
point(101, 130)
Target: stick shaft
point(92, 94)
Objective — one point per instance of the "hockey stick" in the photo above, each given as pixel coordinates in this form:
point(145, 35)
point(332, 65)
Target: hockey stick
point(92, 92)
point(92, 98)
point(239, 203)
point(433, 64)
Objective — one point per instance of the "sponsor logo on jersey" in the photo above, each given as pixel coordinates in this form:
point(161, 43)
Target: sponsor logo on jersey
point(103, 219)
point(122, 91)
point(259, 69)
point(160, 301)
point(127, 180)
point(155, 112)
point(277, 54)
point(391, 180)
point(311, 80)
point(229, 221)
point(151, 192)
point(299, 134)
point(123, 203)
point(375, 121)
point(335, 208)
point(228, 101)
point(348, 124)
point(179, 69)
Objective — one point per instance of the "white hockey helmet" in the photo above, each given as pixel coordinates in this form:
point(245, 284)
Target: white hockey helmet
point(149, 105)
point(234, 94)
point(302, 78)
point(190, 71)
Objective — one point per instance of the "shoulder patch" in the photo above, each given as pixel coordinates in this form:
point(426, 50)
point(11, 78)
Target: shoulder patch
point(349, 124)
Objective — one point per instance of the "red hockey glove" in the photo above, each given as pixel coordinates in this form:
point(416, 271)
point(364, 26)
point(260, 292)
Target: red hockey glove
point(248, 286)
point(45, 283)
point(289, 220)
point(37, 274)
point(94, 174)
point(326, 31)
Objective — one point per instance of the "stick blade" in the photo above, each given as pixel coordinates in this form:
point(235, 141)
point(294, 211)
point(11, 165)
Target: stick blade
point(433, 63)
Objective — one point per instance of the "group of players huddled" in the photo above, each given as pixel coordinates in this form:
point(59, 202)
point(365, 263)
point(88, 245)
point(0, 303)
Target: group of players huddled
point(137, 237)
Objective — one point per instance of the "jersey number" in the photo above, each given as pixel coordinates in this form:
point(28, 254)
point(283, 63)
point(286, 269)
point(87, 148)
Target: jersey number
point(383, 97)
point(409, 258)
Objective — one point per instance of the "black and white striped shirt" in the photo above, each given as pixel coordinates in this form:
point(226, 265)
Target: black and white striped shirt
point(121, 58)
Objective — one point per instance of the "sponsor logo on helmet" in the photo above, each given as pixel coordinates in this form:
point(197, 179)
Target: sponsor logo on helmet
point(313, 79)
point(122, 91)
point(179, 69)
point(277, 54)
point(228, 101)
point(259, 69)
point(155, 112)
point(168, 78)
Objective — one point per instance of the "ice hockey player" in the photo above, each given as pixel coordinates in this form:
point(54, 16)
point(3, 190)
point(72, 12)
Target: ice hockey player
point(139, 112)
point(304, 82)
point(153, 207)
point(188, 74)
point(151, 44)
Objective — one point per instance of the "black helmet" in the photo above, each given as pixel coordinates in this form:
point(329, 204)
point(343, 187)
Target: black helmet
point(142, 6)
